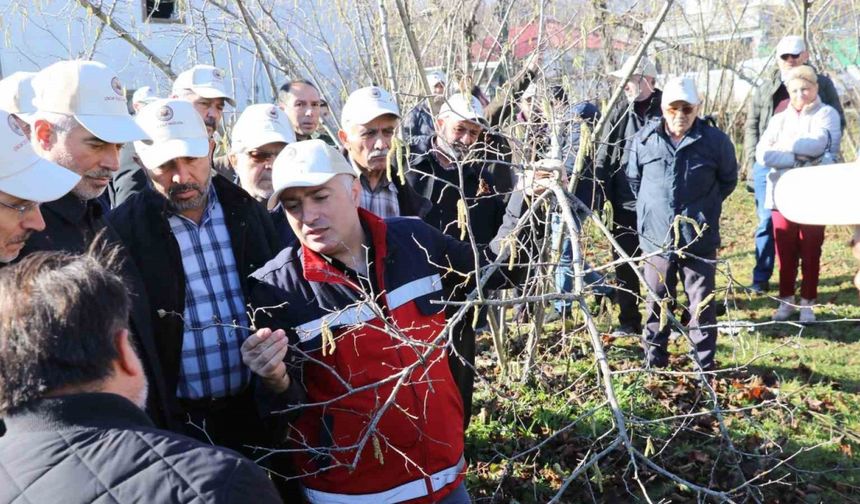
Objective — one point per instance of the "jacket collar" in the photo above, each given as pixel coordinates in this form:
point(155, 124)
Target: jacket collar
point(317, 269)
point(99, 410)
point(75, 210)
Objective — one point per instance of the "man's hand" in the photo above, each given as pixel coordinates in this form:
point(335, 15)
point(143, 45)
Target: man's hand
point(263, 352)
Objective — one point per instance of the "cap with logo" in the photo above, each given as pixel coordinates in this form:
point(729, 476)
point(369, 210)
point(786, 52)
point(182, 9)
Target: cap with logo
point(366, 104)
point(790, 44)
point(144, 95)
point(306, 164)
point(261, 124)
point(205, 80)
point(462, 106)
point(645, 67)
point(436, 77)
point(92, 93)
point(23, 173)
point(176, 130)
point(680, 89)
point(16, 94)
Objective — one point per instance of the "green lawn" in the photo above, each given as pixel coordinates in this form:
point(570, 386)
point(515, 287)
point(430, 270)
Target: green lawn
point(791, 404)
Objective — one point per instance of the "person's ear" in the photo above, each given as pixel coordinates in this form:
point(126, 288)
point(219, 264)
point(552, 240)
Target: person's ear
point(127, 360)
point(342, 136)
point(232, 158)
point(43, 134)
point(439, 123)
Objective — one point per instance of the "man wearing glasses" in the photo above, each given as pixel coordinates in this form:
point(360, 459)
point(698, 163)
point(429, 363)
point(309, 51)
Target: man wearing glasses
point(259, 135)
point(680, 169)
point(769, 99)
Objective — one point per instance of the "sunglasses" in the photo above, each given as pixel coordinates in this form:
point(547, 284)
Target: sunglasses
point(786, 57)
point(686, 109)
point(261, 156)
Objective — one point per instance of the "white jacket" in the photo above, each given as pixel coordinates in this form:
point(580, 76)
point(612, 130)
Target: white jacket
point(799, 133)
point(792, 133)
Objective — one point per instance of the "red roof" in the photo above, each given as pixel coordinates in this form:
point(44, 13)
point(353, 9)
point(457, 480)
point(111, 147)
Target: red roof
point(524, 38)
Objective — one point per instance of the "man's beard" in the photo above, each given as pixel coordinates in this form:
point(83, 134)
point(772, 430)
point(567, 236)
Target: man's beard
point(21, 239)
point(188, 204)
point(82, 190)
point(455, 151)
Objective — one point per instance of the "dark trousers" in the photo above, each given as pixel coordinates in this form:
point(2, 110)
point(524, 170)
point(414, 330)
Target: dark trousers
point(661, 274)
point(235, 423)
point(797, 244)
point(627, 294)
point(463, 372)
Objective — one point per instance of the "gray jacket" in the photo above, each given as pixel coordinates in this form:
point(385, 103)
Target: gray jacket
point(691, 180)
point(760, 110)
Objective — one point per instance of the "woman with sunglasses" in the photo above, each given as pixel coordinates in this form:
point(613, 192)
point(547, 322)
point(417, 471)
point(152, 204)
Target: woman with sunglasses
point(807, 132)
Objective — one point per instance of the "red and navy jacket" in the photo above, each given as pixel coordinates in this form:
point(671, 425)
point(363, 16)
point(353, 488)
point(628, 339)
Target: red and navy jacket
point(350, 365)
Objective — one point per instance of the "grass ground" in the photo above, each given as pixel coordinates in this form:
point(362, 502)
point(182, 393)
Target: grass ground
point(792, 402)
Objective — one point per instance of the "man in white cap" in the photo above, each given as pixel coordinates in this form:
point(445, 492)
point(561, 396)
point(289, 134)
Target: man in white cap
point(769, 99)
point(205, 87)
point(681, 169)
point(435, 170)
point(80, 123)
point(16, 98)
point(419, 121)
point(195, 238)
point(26, 180)
point(368, 124)
point(641, 106)
point(319, 306)
point(259, 135)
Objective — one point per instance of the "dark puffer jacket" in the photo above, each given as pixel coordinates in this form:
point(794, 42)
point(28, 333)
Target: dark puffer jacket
point(87, 448)
point(689, 180)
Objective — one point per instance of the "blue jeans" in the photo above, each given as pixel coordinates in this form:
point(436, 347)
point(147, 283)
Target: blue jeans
point(564, 271)
point(459, 496)
point(764, 243)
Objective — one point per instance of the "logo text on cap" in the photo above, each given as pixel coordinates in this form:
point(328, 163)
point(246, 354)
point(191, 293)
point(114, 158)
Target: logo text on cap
point(273, 112)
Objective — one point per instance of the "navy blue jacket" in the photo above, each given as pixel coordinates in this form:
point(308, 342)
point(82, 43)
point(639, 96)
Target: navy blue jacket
point(691, 180)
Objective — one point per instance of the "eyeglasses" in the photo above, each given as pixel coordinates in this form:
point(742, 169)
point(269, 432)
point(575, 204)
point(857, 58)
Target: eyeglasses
point(261, 156)
point(686, 109)
point(21, 209)
point(786, 57)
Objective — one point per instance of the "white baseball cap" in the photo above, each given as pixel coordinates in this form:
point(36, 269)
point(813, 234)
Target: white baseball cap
point(16, 94)
point(436, 77)
point(92, 93)
point(365, 105)
point(260, 124)
point(463, 107)
point(644, 67)
point(205, 80)
point(680, 89)
point(176, 130)
point(306, 164)
point(144, 96)
point(23, 173)
point(790, 44)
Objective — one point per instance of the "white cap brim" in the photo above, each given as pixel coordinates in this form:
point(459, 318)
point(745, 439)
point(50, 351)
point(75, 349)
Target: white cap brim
point(306, 180)
point(114, 129)
point(212, 92)
point(265, 138)
point(42, 181)
point(369, 114)
point(156, 154)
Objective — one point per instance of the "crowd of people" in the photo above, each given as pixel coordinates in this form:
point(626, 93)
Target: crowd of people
point(170, 314)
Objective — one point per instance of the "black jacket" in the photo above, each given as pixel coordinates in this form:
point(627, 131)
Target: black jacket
point(145, 232)
point(690, 180)
point(85, 448)
point(70, 226)
point(611, 160)
point(430, 180)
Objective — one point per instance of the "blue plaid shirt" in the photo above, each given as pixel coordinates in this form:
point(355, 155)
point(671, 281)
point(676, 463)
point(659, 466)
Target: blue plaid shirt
point(211, 364)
